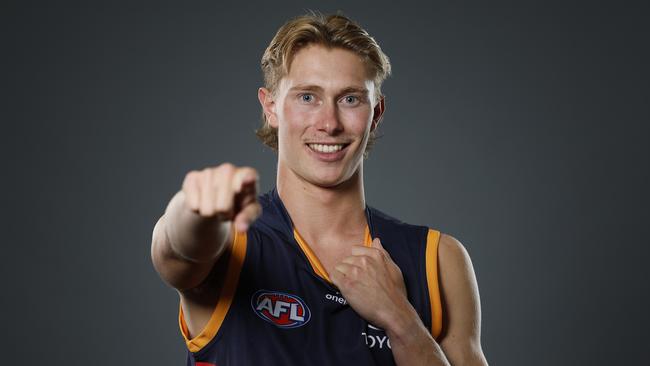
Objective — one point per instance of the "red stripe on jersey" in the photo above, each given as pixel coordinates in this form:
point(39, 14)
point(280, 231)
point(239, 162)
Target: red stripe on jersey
point(205, 364)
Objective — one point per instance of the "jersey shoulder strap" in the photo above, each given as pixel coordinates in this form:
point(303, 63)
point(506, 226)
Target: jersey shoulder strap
point(414, 249)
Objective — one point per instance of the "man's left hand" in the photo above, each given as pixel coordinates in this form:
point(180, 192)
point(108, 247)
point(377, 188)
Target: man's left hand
point(373, 285)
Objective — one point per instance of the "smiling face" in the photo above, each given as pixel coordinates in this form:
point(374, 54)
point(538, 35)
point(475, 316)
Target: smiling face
point(324, 110)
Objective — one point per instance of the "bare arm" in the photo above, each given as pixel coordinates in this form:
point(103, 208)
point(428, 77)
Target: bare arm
point(461, 339)
point(185, 245)
point(412, 344)
point(196, 228)
point(460, 343)
point(369, 277)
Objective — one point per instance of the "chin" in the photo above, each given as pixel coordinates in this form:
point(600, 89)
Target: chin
point(325, 183)
point(329, 180)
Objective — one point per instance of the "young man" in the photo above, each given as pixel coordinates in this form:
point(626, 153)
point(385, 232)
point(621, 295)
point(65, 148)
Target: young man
point(308, 274)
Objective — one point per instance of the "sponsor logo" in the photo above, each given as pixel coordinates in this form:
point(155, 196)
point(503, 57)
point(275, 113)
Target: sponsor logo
point(376, 338)
point(336, 298)
point(281, 309)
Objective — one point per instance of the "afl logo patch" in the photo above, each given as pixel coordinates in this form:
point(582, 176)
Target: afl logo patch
point(281, 309)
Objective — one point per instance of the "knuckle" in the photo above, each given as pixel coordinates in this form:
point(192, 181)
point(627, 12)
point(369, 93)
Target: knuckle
point(217, 179)
point(189, 177)
point(226, 167)
point(363, 261)
point(214, 173)
point(355, 272)
point(204, 176)
point(188, 181)
point(252, 171)
point(247, 171)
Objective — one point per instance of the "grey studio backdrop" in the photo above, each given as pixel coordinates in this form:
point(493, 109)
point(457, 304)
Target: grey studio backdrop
point(520, 128)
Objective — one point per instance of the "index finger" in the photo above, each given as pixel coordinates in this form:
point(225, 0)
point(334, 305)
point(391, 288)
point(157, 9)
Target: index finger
point(244, 178)
point(372, 252)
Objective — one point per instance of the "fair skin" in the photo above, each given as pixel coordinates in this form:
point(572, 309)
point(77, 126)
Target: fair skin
point(327, 98)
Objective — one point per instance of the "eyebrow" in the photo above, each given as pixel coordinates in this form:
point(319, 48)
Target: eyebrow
point(353, 89)
point(350, 89)
point(306, 87)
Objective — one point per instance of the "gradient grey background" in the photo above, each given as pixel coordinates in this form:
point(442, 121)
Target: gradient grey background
point(519, 127)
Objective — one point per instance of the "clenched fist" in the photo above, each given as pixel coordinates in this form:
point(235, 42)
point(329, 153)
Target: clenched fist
point(226, 192)
point(372, 284)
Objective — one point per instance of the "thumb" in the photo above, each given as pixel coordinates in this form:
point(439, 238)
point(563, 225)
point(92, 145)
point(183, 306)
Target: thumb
point(248, 214)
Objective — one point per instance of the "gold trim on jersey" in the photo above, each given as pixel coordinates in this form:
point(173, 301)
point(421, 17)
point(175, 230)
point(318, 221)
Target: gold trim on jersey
point(433, 238)
point(315, 263)
point(226, 295)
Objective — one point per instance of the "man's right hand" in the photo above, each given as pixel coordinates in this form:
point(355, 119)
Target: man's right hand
point(195, 229)
point(226, 192)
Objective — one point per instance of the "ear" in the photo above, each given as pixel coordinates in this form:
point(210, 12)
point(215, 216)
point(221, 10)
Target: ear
point(268, 106)
point(378, 113)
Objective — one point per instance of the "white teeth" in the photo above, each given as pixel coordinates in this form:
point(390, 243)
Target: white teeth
point(325, 148)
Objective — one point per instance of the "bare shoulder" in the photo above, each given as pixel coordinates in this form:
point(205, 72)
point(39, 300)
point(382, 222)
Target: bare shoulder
point(451, 247)
point(461, 336)
point(453, 258)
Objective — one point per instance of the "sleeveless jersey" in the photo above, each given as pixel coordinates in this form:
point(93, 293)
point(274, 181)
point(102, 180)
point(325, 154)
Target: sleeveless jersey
point(278, 307)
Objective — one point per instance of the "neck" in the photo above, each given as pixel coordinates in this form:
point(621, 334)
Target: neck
point(320, 212)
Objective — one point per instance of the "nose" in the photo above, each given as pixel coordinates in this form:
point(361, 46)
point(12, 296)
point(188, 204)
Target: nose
point(328, 119)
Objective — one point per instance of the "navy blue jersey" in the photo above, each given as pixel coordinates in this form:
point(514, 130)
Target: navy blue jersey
point(277, 306)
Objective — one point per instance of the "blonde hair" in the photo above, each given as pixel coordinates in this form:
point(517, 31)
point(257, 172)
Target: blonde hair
point(330, 31)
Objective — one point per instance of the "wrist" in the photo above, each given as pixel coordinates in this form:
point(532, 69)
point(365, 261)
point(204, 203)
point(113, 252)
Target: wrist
point(193, 237)
point(405, 326)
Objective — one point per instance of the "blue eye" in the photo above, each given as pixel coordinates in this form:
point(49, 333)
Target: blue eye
point(351, 99)
point(307, 98)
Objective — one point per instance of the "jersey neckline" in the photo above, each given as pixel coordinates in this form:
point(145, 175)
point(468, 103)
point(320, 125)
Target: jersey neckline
point(315, 264)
